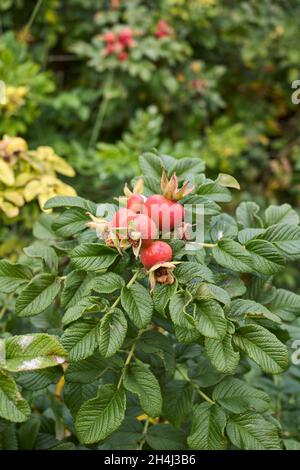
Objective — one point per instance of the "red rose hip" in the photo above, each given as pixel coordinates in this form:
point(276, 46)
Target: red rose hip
point(155, 253)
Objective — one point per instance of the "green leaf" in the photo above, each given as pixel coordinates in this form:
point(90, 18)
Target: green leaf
point(262, 347)
point(177, 401)
point(140, 380)
point(284, 303)
point(214, 192)
point(237, 396)
point(291, 444)
point(99, 417)
point(28, 433)
point(228, 181)
point(13, 275)
point(178, 312)
point(92, 256)
point(162, 294)
point(70, 222)
point(84, 305)
point(127, 437)
point(210, 319)
point(71, 201)
point(243, 308)
point(108, 283)
point(266, 258)
point(42, 229)
point(138, 304)
point(166, 437)
point(112, 332)
point(232, 255)
point(222, 355)
point(81, 339)
point(188, 167)
point(32, 352)
point(12, 406)
point(77, 285)
point(248, 234)
point(247, 215)
point(285, 237)
point(250, 431)
point(207, 291)
point(283, 214)
point(44, 252)
point(151, 165)
point(37, 295)
point(75, 394)
point(208, 426)
point(191, 272)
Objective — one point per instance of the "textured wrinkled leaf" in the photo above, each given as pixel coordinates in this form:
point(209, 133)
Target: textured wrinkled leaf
point(37, 295)
point(237, 396)
point(71, 201)
point(138, 304)
point(92, 256)
point(250, 431)
point(285, 237)
point(166, 437)
point(221, 353)
point(108, 283)
point(112, 332)
point(283, 214)
point(242, 308)
point(13, 275)
point(140, 380)
point(232, 255)
point(12, 406)
point(99, 417)
point(33, 351)
point(266, 258)
point(208, 426)
point(263, 347)
point(210, 319)
point(81, 339)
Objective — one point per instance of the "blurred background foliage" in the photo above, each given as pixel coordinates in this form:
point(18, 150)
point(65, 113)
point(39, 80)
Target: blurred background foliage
point(101, 81)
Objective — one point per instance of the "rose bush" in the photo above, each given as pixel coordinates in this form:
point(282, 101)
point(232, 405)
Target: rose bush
point(94, 355)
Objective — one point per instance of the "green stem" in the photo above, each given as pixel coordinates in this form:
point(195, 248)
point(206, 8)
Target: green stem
point(129, 357)
point(145, 430)
point(5, 305)
point(132, 280)
point(100, 116)
point(198, 390)
point(207, 245)
point(33, 14)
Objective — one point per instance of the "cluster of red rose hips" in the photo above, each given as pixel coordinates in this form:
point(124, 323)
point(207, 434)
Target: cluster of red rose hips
point(119, 43)
point(139, 224)
point(163, 29)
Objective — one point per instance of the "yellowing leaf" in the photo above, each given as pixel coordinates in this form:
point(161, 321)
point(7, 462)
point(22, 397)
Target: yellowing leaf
point(32, 190)
point(6, 173)
point(15, 197)
point(9, 209)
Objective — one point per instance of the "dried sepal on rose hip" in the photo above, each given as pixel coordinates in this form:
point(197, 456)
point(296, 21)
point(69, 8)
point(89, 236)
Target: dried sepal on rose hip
point(134, 200)
point(126, 229)
point(157, 260)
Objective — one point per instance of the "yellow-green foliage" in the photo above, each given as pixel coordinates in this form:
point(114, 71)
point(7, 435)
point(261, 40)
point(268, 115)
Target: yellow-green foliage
point(26, 175)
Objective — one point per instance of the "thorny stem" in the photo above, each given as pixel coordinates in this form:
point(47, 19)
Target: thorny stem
point(198, 390)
